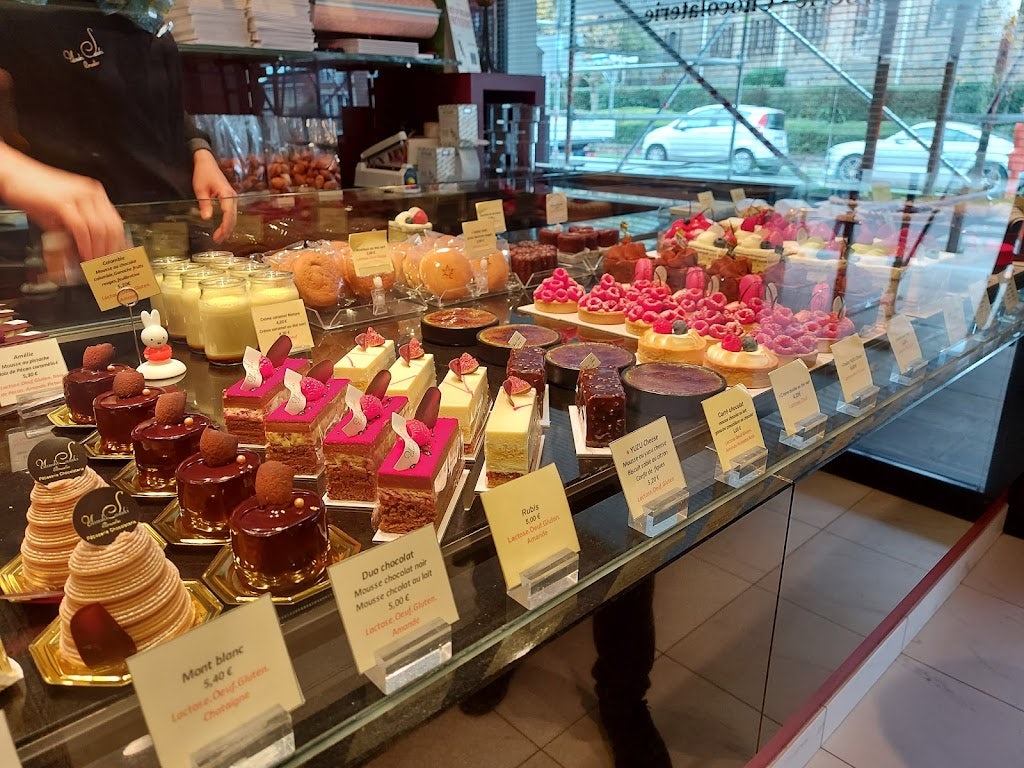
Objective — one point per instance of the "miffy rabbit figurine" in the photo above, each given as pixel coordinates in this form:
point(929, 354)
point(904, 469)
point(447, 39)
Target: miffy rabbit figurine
point(159, 364)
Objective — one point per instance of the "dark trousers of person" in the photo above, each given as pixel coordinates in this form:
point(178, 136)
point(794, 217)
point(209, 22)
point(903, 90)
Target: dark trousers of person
point(624, 639)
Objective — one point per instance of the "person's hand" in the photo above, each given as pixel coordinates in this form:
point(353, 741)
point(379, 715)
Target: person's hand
point(60, 201)
point(209, 183)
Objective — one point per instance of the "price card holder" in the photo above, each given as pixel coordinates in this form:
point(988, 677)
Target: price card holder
point(743, 469)
point(809, 430)
point(956, 328)
point(910, 375)
point(411, 657)
point(547, 579)
point(862, 401)
point(909, 365)
point(1010, 299)
point(263, 742)
point(534, 535)
point(651, 477)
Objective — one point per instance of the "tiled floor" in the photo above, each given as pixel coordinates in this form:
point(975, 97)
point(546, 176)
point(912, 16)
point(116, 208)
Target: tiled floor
point(955, 697)
point(853, 553)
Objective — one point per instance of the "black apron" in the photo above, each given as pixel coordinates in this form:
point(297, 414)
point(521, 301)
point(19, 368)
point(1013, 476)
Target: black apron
point(96, 95)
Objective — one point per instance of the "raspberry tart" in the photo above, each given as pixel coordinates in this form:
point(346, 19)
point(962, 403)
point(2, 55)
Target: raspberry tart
point(558, 294)
point(605, 304)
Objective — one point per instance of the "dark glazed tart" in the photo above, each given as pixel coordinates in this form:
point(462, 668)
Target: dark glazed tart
point(527, 363)
point(602, 404)
point(456, 327)
point(563, 362)
point(207, 494)
point(674, 390)
point(493, 342)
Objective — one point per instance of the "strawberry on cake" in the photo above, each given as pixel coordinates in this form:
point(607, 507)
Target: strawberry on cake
point(648, 302)
point(605, 304)
point(669, 341)
point(295, 430)
point(558, 294)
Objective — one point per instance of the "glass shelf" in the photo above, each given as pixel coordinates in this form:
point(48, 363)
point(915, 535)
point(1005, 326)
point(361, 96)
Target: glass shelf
point(339, 58)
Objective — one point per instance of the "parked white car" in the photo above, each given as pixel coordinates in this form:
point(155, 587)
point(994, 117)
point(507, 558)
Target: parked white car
point(901, 161)
point(704, 136)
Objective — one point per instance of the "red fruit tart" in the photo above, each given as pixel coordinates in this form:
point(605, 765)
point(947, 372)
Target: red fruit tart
point(419, 476)
point(649, 302)
point(85, 384)
point(356, 446)
point(741, 361)
point(162, 443)
point(558, 294)
point(279, 540)
point(605, 304)
point(247, 402)
point(295, 430)
point(827, 327)
point(214, 481)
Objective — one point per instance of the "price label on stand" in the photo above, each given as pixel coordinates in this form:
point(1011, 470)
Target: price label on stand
point(530, 521)
point(953, 317)
point(286, 318)
point(903, 341)
point(733, 422)
point(210, 682)
point(794, 393)
point(556, 207)
point(110, 274)
point(480, 238)
point(391, 591)
point(978, 293)
point(493, 212)
point(370, 253)
point(852, 366)
point(706, 200)
point(30, 368)
point(737, 195)
point(1011, 301)
point(648, 465)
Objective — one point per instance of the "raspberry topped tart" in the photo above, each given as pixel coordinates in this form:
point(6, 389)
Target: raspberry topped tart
point(355, 447)
point(605, 304)
point(247, 402)
point(419, 476)
point(558, 294)
point(741, 361)
point(85, 384)
point(372, 353)
point(671, 341)
point(295, 430)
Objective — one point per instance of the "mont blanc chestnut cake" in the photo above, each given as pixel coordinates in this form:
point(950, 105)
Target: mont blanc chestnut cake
point(279, 538)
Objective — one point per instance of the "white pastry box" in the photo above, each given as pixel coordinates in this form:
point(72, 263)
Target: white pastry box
point(437, 165)
point(458, 125)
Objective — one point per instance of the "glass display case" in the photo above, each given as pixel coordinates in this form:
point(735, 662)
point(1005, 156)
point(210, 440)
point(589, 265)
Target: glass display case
point(345, 718)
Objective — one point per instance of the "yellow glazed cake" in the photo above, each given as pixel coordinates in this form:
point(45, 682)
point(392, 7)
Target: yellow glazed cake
point(464, 396)
point(671, 343)
point(137, 585)
point(742, 362)
point(371, 354)
point(50, 537)
point(512, 434)
point(412, 376)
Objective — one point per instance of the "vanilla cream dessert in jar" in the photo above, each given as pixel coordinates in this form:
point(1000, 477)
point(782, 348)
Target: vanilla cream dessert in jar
point(172, 290)
point(158, 265)
point(190, 305)
point(226, 316)
point(271, 287)
point(246, 270)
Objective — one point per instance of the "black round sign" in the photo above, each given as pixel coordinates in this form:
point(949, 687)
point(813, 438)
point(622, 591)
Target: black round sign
point(103, 513)
point(56, 458)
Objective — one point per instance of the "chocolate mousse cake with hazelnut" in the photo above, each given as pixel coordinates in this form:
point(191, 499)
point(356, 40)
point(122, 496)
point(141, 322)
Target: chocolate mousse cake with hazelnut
point(214, 481)
point(83, 385)
point(129, 403)
point(279, 539)
point(160, 444)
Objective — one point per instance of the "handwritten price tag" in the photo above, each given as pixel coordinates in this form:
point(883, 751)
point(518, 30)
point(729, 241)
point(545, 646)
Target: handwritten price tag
point(852, 366)
point(370, 253)
point(108, 275)
point(493, 212)
point(647, 464)
point(734, 426)
point(557, 208)
point(480, 238)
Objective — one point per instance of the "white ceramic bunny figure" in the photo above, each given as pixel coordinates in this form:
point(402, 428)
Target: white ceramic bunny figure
point(159, 364)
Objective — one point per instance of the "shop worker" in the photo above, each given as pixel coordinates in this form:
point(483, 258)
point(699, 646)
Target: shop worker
point(91, 116)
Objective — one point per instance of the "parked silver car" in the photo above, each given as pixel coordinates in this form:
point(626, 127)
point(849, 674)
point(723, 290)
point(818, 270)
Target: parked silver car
point(903, 162)
point(704, 136)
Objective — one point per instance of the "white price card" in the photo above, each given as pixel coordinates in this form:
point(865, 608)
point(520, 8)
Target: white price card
point(953, 317)
point(200, 687)
point(556, 207)
point(30, 368)
point(493, 212)
point(648, 465)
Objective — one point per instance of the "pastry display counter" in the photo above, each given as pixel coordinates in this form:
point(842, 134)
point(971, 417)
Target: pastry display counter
point(345, 718)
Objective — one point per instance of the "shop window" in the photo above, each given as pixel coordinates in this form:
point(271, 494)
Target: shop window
point(942, 12)
point(721, 48)
point(811, 23)
point(761, 40)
